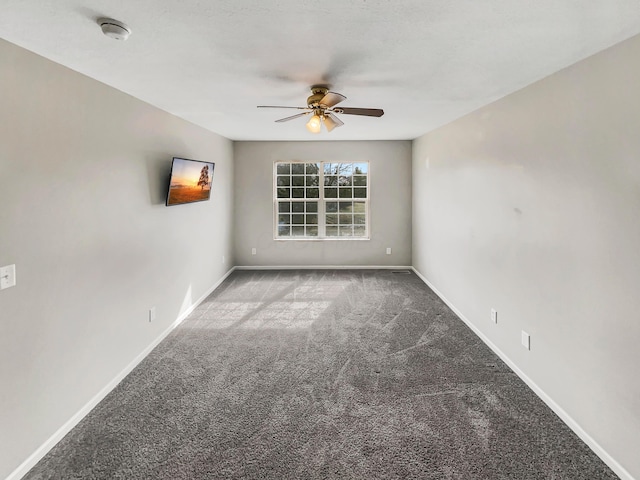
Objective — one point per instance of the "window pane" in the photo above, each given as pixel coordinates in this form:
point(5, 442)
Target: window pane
point(284, 181)
point(360, 168)
point(297, 192)
point(345, 181)
point(360, 193)
point(284, 207)
point(297, 207)
point(284, 192)
point(331, 219)
point(297, 219)
point(332, 207)
point(284, 219)
point(312, 219)
point(346, 207)
point(359, 231)
point(313, 192)
point(284, 231)
point(312, 231)
point(283, 168)
point(332, 231)
point(331, 192)
point(346, 219)
point(312, 180)
point(297, 168)
point(331, 181)
point(312, 168)
point(358, 219)
point(359, 181)
point(297, 180)
point(297, 231)
point(346, 169)
point(330, 168)
point(346, 192)
point(359, 207)
point(346, 231)
point(312, 207)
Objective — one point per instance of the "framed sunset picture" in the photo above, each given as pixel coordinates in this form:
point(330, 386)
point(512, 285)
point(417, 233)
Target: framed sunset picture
point(190, 181)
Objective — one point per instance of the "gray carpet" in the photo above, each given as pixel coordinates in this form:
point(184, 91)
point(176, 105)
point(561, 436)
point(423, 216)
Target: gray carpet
point(321, 375)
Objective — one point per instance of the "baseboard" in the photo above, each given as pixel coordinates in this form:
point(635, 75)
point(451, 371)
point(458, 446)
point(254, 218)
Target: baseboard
point(564, 416)
point(36, 456)
point(323, 267)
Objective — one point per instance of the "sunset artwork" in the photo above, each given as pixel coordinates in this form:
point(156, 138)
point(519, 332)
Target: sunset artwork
point(190, 181)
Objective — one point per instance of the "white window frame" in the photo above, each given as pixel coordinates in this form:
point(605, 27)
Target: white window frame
point(322, 201)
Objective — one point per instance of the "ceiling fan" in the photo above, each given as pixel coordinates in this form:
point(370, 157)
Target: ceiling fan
point(322, 104)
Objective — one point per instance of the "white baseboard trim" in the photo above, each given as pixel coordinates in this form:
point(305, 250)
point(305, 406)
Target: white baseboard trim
point(322, 267)
point(36, 456)
point(564, 416)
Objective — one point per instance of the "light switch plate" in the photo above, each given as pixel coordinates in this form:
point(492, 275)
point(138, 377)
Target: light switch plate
point(7, 276)
point(494, 316)
point(526, 340)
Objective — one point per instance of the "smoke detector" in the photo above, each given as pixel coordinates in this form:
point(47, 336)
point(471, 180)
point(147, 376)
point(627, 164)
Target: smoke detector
point(114, 29)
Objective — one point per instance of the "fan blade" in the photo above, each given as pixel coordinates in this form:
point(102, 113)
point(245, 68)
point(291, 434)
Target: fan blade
point(331, 99)
point(331, 121)
point(286, 119)
point(277, 106)
point(369, 112)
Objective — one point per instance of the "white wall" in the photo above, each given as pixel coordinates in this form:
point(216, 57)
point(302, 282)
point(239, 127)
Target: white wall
point(83, 175)
point(531, 206)
point(390, 204)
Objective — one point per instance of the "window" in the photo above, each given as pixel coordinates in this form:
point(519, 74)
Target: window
point(323, 200)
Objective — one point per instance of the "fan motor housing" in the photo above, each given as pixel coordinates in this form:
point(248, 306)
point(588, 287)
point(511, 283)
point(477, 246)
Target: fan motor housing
point(318, 92)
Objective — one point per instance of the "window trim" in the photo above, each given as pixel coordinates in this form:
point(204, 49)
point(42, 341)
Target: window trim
point(321, 203)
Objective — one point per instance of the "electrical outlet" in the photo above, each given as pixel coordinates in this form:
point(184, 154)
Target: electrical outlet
point(254, 251)
point(7, 276)
point(388, 250)
point(152, 314)
point(526, 340)
point(223, 259)
point(494, 316)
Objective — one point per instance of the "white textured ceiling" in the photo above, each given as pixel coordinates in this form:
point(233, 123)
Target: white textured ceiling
point(424, 62)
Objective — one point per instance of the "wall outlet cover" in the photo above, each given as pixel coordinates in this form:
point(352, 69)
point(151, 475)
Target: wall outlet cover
point(494, 316)
point(7, 276)
point(526, 340)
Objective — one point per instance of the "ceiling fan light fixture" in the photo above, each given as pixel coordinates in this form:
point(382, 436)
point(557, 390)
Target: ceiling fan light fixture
point(322, 104)
point(314, 124)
